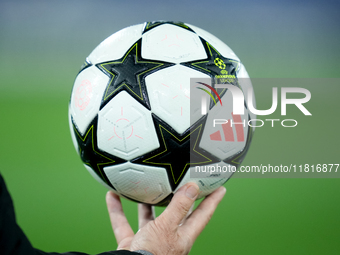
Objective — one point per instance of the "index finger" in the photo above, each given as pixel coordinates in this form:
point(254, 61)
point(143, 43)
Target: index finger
point(197, 221)
point(179, 205)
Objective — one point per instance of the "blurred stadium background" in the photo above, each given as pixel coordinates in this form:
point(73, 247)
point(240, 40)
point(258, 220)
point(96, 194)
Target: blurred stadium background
point(61, 207)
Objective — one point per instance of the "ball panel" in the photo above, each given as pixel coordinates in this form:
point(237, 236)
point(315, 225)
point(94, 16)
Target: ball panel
point(215, 42)
point(125, 128)
point(86, 96)
point(115, 46)
point(172, 44)
point(142, 183)
point(169, 95)
point(208, 182)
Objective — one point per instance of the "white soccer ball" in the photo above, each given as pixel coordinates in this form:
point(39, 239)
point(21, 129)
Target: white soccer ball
point(144, 106)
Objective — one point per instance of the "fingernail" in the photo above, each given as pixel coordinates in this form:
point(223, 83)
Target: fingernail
point(192, 191)
point(224, 190)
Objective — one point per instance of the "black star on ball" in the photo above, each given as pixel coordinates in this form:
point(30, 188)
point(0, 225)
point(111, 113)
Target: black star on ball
point(177, 152)
point(128, 73)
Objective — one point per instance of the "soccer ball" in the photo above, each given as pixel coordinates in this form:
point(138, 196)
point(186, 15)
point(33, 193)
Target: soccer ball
point(144, 106)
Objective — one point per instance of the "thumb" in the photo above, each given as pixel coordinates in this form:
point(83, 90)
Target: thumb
point(180, 205)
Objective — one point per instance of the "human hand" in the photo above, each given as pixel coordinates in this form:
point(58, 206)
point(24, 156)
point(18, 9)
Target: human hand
point(170, 233)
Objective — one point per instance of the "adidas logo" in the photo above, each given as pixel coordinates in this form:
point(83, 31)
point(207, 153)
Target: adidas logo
point(228, 131)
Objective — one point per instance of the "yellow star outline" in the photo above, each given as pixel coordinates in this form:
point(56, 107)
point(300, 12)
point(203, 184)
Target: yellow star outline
point(92, 142)
point(138, 76)
point(161, 128)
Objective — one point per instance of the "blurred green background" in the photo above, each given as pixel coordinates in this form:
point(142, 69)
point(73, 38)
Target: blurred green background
point(61, 207)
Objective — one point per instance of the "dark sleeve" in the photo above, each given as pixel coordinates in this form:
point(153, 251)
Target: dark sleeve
point(13, 241)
